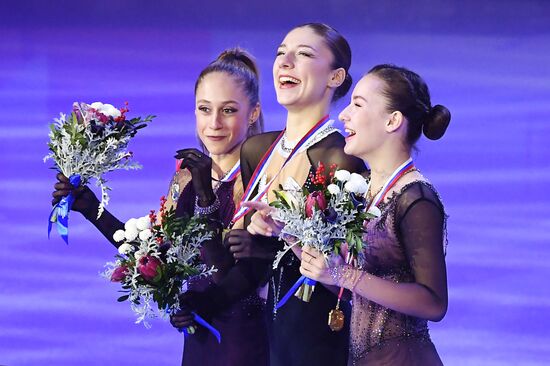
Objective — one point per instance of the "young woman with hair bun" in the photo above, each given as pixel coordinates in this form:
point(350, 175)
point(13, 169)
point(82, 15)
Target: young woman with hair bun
point(400, 282)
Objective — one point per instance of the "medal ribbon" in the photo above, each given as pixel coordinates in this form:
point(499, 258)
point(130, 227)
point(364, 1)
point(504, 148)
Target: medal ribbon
point(394, 177)
point(264, 162)
point(233, 173)
point(204, 323)
point(302, 280)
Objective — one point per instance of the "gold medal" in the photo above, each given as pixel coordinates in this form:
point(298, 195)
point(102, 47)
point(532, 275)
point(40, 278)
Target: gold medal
point(336, 320)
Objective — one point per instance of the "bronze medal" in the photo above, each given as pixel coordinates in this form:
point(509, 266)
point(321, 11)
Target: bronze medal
point(336, 320)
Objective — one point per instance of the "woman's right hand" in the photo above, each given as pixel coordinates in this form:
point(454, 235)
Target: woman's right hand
point(241, 244)
point(85, 201)
point(261, 222)
point(182, 319)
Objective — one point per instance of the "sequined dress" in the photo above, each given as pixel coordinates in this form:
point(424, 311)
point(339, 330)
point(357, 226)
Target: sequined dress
point(241, 324)
point(400, 245)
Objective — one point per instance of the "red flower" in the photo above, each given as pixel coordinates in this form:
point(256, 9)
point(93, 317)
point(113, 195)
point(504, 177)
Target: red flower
point(150, 268)
point(119, 274)
point(315, 199)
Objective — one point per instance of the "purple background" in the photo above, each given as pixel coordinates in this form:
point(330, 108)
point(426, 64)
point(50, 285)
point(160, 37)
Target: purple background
point(487, 61)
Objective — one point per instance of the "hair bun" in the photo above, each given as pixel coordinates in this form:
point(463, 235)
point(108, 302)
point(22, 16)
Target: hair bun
point(436, 122)
point(238, 55)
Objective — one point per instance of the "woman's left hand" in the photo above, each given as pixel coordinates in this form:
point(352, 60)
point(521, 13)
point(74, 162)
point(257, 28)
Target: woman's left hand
point(315, 266)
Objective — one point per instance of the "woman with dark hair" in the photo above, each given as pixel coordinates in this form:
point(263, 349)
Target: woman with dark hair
point(209, 183)
point(310, 71)
point(400, 282)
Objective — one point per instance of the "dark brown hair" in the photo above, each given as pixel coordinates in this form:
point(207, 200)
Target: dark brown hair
point(341, 51)
point(407, 92)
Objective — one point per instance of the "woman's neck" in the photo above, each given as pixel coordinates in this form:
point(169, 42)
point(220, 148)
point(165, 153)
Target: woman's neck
point(300, 120)
point(222, 163)
point(382, 164)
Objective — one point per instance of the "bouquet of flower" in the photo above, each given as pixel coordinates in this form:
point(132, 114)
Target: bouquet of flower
point(156, 260)
point(324, 218)
point(90, 142)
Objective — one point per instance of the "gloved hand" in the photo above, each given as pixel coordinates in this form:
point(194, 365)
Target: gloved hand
point(85, 201)
point(242, 244)
point(182, 319)
point(206, 303)
point(200, 166)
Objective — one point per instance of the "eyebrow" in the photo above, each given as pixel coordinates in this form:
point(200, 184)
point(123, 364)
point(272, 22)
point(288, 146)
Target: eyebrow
point(299, 46)
point(359, 97)
point(224, 102)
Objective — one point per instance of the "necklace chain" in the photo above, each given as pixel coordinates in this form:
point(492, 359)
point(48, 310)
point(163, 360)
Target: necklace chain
point(287, 149)
point(276, 291)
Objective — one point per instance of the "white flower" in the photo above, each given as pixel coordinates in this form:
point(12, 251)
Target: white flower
point(333, 189)
point(131, 225)
point(363, 188)
point(374, 211)
point(356, 177)
point(342, 175)
point(131, 234)
point(145, 234)
point(107, 109)
point(359, 183)
point(119, 235)
point(125, 248)
point(143, 223)
point(351, 186)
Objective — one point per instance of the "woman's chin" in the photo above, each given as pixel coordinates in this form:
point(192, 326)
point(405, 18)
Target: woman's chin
point(348, 148)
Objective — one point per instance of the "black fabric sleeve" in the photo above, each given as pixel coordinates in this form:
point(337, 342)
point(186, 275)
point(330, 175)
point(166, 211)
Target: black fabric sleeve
point(246, 275)
point(107, 223)
point(420, 224)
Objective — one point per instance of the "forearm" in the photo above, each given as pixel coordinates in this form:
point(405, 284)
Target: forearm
point(213, 253)
point(243, 278)
point(107, 224)
point(412, 298)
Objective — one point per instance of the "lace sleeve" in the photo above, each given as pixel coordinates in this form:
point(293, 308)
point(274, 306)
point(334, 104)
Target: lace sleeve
point(178, 183)
point(420, 222)
point(420, 226)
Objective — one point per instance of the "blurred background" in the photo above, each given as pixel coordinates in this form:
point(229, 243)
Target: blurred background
point(487, 61)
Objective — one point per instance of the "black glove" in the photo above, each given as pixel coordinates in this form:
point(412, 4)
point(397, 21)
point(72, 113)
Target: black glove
point(182, 319)
point(200, 166)
point(85, 201)
point(242, 244)
point(207, 304)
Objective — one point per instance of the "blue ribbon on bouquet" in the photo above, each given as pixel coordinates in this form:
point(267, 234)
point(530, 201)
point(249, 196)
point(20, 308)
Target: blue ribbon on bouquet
point(204, 323)
point(60, 212)
point(294, 288)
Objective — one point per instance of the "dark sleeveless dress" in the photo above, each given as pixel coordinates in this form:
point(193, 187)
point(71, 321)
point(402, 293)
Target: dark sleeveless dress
point(298, 332)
